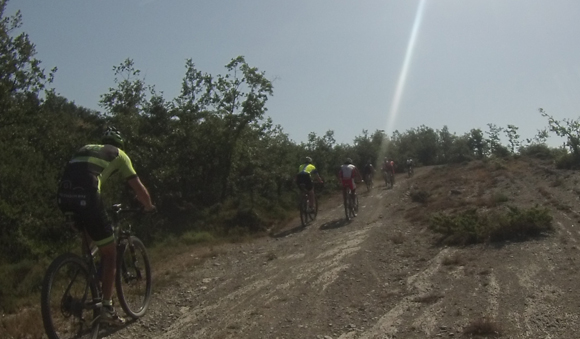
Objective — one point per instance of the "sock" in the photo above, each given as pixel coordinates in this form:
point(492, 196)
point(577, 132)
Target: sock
point(107, 302)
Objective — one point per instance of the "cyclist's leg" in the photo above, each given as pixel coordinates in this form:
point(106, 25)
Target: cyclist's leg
point(100, 230)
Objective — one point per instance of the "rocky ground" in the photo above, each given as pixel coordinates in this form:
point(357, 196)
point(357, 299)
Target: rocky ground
point(383, 275)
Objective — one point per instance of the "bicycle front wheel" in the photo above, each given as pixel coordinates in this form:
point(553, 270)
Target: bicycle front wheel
point(67, 296)
point(133, 278)
point(313, 212)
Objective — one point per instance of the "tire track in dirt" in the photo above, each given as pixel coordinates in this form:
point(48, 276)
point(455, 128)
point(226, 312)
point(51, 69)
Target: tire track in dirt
point(357, 280)
point(316, 269)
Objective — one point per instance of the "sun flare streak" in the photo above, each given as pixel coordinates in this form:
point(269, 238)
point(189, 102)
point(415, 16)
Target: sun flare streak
point(394, 111)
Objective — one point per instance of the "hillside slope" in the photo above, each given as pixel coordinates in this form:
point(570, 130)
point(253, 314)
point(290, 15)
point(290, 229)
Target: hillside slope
point(384, 275)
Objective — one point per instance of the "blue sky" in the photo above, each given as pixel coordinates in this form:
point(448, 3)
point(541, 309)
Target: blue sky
point(335, 64)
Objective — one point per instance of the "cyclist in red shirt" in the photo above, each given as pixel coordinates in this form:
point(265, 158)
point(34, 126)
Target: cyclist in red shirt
point(347, 174)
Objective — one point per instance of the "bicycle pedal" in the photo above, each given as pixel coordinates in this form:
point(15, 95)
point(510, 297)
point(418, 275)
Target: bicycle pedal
point(95, 304)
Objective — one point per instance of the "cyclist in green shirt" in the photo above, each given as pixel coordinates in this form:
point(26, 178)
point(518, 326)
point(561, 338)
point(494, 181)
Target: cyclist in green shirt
point(79, 196)
point(304, 176)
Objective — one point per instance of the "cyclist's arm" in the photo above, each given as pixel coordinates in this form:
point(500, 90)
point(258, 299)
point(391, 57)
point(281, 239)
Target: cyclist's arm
point(142, 193)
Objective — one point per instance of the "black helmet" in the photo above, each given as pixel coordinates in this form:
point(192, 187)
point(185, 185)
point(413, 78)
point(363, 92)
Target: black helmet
point(348, 161)
point(308, 160)
point(113, 137)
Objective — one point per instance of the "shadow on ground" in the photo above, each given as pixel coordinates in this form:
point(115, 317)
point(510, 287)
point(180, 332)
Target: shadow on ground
point(288, 232)
point(337, 223)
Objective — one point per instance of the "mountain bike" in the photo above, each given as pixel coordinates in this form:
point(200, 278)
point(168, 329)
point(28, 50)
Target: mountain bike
point(369, 181)
point(71, 296)
point(307, 215)
point(350, 201)
point(409, 171)
point(389, 178)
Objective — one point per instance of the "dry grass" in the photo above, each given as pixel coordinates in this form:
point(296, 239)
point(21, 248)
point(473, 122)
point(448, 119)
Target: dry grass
point(483, 327)
point(26, 324)
point(430, 298)
point(454, 259)
point(271, 256)
point(397, 238)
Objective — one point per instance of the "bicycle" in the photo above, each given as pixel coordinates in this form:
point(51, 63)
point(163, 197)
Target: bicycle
point(369, 181)
point(350, 201)
point(409, 171)
point(307, 215)
point(71, 296)
point(389, 178)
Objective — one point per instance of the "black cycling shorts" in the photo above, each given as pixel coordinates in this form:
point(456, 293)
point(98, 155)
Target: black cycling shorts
point(304, 178)
point(88, 209)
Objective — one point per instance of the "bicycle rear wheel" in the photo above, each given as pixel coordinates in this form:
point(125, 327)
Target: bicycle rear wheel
point(304, 211)
point(346, 203)
point(133, 278)
point(352, 206)
point(66, 300)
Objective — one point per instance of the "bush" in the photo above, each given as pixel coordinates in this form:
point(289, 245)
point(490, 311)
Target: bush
point(568, 161)
point(540, 151)
point(471, 227)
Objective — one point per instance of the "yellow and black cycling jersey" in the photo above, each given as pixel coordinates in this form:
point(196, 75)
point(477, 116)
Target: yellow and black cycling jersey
point(100, 162)
point(307, 168)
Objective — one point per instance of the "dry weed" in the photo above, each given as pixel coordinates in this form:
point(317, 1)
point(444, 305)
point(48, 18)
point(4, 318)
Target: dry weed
point(483, 326)
point(25, 324)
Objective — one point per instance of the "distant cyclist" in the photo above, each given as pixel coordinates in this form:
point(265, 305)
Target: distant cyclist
point(304, 176)
point(410, 166)
point(79, 196)
point(347, 174)
point(389, 169)
point(369, 171)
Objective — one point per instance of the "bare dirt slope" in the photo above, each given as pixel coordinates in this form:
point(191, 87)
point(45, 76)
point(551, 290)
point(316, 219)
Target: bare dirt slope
point(383, 274)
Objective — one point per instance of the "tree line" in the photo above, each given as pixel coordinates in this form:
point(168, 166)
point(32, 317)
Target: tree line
point(210, 151)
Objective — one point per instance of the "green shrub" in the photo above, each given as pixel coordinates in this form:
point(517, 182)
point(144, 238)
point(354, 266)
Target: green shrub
point(465, 228)
point(498, 198)
point(470, 227)
point(518, 224)
point(539, 151)
point(567, 161)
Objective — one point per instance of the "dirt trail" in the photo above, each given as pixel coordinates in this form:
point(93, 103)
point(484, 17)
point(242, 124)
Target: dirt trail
point(382, 275)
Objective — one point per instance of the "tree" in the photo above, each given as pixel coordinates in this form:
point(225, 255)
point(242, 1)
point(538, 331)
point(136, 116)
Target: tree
point(513, 137)
point(567, 128)
point(124, 103)
point(446, 140)
point(477, 144)
point(494, 141)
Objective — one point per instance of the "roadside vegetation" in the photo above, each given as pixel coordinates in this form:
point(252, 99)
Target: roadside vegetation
point(473, 226)
point(217, 167)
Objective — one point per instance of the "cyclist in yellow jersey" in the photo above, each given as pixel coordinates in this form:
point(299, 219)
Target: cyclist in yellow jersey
point(304, 176)
point(79, 195)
